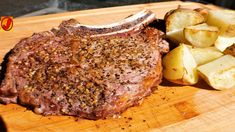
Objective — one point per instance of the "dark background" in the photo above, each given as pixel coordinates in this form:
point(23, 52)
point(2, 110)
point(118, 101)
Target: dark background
point(21, 8)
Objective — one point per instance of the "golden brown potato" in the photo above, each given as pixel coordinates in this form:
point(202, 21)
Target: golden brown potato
point(201, 35)
point(180, 66)
point(181, 18)
point(220, 73)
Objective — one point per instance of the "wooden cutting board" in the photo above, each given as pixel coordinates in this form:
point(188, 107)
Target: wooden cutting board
point(171, 108)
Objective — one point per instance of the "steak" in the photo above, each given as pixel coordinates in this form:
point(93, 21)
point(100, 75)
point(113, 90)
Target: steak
point(91, 72)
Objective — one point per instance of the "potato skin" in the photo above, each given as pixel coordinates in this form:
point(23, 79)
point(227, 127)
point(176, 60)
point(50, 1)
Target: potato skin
point(181, 18)
point(180, 66)
point(204, 12)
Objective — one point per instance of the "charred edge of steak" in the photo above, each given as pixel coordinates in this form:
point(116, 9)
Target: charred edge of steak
point(3, 66)
point(8, 93)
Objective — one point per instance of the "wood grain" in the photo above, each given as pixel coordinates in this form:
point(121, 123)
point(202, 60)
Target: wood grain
point(170, 108)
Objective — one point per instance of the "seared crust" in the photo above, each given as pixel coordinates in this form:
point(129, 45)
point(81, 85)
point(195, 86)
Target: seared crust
point(91, 76)
point(230, 50)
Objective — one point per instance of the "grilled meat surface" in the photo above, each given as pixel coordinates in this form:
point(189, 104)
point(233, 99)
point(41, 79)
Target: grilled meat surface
point(86, 71)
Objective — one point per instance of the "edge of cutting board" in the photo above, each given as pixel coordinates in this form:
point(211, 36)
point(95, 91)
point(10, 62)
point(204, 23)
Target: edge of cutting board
point(170, 108)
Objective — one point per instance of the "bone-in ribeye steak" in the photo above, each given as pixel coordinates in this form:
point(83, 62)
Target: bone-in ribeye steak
point(86, 71)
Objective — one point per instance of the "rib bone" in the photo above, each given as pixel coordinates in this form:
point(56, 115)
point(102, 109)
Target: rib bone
point(130, 24)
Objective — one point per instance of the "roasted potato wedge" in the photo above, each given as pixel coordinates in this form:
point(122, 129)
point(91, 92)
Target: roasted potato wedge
point(224, 20)
point(181, 18)
point(176, 36)
point(220, 73)
point(205, 55)
point(230, 50)
point(224, 42)
point(180, 66)
point(201, 35)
